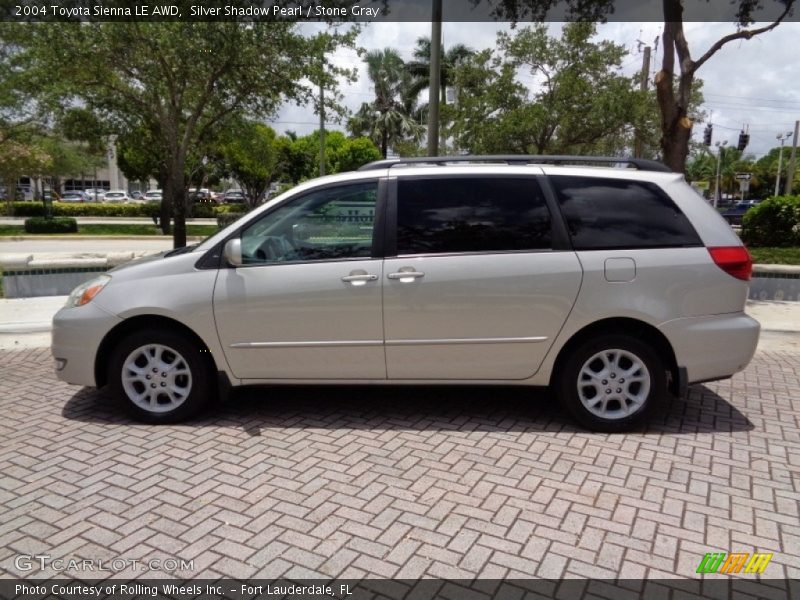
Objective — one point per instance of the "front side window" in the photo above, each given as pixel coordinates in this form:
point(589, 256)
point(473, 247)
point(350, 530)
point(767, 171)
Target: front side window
point(471, 214)
point(329, 224)
point(621, 214)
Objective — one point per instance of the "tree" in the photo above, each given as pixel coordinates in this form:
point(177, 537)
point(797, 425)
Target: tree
point(674, 89)
point(66, 158)
point(420, 67)
point(16, 159)
point(354, 153)
point(389, 118)
point(577, 103)
point(298, 156)
point(766, 172)
point(250, 153)
point(180, 81)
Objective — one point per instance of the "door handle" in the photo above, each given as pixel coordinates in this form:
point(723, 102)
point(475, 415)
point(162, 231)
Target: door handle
point(406, 274)
point(359, 278)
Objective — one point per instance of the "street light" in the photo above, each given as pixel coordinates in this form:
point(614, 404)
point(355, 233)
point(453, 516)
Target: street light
point(721, 146)
point(782, 137)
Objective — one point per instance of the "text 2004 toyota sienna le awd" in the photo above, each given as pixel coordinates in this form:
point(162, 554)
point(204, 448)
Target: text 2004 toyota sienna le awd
point(612, 286)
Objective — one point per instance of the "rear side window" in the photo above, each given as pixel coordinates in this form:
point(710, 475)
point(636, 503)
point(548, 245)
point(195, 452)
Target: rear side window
point(615, 213)
point(471, 214)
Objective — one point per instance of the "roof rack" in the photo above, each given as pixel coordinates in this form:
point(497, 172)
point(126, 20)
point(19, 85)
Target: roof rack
point(642, 164)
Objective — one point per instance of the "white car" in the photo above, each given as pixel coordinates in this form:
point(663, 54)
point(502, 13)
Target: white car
point(153, 196)
point(117, 196)
point(612, 286)
point(95, 194)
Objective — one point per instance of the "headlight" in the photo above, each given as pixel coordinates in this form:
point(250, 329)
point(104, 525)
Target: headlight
point(84, 293)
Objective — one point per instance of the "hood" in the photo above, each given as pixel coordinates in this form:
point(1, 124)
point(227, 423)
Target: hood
point(162, 263)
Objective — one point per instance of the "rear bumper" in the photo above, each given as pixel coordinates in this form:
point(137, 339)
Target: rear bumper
point(712, 347)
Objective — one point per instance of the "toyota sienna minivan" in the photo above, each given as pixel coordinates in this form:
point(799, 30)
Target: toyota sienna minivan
point(613, 286)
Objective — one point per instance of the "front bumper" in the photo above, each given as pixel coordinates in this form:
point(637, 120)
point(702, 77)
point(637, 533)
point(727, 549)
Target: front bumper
point(712, 347)
point(77, 333)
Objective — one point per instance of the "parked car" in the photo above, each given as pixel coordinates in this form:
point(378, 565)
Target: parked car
point(51, 196)
point(735, 214)
point(96, 194)
point(137, 195)
point(612, 286)
point(75, 196)
point(153, 196)
point(116, 196)
point(234, 197)
point(201, 195)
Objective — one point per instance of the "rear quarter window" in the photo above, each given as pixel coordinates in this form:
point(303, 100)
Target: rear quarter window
point(619, 214)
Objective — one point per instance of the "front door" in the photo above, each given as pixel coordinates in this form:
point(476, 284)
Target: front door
point(307, 302)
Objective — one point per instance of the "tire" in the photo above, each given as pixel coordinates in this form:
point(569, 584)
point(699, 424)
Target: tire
point(160, 376)
point(626, 399)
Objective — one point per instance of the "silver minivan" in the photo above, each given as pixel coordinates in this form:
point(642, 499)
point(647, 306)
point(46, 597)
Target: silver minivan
point(613, 286)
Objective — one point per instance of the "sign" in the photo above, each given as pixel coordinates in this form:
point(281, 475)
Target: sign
point(743, 176)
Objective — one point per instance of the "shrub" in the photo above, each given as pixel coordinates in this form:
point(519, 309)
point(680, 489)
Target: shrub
point(54, 225)
point(201, 210)
point(774, 222)
point(151, 209)
point(224, 209)
point(225, 219)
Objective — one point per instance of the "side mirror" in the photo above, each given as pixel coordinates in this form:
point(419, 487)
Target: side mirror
point(233, 252)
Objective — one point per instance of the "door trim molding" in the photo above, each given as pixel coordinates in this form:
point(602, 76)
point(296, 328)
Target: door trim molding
point(312, 344)
point(452, 341)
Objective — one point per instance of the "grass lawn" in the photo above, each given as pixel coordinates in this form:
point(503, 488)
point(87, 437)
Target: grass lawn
point(776, 256)
point(112, 229)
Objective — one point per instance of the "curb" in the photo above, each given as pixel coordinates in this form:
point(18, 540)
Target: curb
point(23, 238)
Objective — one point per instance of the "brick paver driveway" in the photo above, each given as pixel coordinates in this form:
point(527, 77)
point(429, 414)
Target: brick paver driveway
point(371, 482)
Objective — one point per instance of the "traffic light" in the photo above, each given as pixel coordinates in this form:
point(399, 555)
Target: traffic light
point(744, 139)
point(707, 135)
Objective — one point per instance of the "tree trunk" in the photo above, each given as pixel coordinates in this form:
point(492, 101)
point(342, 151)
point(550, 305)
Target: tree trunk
point(165, 211)
point(675, 141)
point(175, 198)
point(384, 144)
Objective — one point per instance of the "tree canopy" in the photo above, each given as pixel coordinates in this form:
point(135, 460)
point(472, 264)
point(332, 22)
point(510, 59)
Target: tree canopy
point(180, 81)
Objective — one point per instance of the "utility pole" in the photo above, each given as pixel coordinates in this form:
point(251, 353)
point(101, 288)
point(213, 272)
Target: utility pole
point(435, 78)
point(638, 148)
point(322, 123)
point(787, 189)
point(717, 195)
point(782, 137)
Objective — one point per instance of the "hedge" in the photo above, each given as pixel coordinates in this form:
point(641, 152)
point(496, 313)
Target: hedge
point(225, 219)
point(774, 222)
point(150, 209)
point(54, 225)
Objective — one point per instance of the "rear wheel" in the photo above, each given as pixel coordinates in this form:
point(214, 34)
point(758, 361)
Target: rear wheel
point(160, 376)
point(612, 383)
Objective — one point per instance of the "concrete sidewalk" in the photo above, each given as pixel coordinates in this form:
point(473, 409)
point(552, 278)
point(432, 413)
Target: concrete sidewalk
point(25, 322)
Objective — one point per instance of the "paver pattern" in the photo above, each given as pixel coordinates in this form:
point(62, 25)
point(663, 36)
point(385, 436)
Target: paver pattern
point(400, 482)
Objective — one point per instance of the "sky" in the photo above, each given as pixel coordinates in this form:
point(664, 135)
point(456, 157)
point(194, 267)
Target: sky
point(748, 82)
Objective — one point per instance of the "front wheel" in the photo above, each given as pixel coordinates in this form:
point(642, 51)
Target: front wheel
point(612, 383)
point(160, 376)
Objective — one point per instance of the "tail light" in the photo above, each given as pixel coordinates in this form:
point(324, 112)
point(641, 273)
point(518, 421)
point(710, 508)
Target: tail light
point(734, 260)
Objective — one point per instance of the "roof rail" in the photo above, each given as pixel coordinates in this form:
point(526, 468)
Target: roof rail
point(641, 164)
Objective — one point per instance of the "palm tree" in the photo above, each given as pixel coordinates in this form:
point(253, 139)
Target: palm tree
point(388, 118)
point(420, 68)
